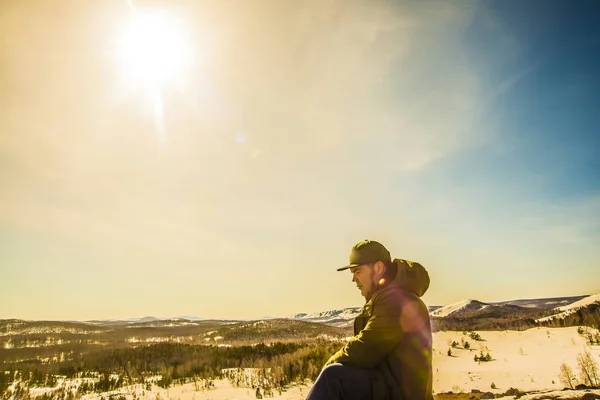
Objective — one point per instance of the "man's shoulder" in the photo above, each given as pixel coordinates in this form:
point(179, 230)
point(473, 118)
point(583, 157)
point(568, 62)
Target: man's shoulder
point(413, 313)
point(395, 298)
point(395, 293)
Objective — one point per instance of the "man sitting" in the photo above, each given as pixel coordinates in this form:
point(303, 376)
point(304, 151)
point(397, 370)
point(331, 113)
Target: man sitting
point(389, 356)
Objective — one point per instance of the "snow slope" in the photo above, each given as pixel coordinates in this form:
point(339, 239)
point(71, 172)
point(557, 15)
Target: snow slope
point(528, 360)
point(586, 301)
point(463, 305)
point(562, 312)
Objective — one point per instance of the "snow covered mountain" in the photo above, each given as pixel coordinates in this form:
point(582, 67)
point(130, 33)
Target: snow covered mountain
point(542, 304)
point(146, 321)
point(472, 307)
point(564, 311)
point(461, 306)
point(349, 312)
point(342, 317)
point(586, 301)
point(535, 309)
point(468, 308)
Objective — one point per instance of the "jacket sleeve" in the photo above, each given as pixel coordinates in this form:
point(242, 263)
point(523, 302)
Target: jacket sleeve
point(370, 346)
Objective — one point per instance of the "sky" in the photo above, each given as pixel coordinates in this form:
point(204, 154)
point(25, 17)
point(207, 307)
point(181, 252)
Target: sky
point(222, 160)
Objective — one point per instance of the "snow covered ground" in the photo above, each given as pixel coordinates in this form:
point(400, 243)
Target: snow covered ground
point(223, 390)
point(528, 360)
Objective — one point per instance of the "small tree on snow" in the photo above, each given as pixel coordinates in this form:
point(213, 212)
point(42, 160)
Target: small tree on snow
point(485, 358)
point(588, 369)
point(566, 375)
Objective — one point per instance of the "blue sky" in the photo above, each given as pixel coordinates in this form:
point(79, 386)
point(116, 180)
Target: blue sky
point(461, 135)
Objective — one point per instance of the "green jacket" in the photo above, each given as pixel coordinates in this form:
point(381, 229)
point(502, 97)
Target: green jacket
point(392, 338)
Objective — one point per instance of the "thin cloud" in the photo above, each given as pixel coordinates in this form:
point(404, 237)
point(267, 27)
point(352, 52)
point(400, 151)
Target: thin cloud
point(308, 126)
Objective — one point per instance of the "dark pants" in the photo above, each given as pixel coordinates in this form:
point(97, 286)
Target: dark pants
point(338, 381)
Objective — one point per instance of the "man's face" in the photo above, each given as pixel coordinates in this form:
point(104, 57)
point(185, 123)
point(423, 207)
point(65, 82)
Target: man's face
point(364, 277)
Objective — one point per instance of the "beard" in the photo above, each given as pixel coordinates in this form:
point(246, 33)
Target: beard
point(372, 288)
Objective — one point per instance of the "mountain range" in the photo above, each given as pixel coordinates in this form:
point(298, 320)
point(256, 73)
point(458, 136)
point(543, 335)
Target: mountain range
point(467, 315)
point(547, 309)
point(482, 315)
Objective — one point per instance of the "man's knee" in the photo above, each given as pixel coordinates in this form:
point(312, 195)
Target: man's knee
point(350, 381)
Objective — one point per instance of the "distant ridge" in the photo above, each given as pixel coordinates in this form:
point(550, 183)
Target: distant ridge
point(590, 304)
point(473, 307)
point(189, 318)
point(341, 317)
point(461, 306)
point(538, 311)
point(142, 321)
point(147, 319)
point(544, 303)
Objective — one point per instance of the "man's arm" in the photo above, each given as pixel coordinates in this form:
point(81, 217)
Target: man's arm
point(382, 333)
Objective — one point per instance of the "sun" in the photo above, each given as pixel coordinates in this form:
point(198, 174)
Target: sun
point(153, 52)
point(153, 49)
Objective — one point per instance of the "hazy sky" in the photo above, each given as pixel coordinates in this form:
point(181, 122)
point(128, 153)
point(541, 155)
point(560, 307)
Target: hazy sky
point(464, 135)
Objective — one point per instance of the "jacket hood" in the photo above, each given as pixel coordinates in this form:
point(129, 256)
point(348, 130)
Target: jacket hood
point(411, 276)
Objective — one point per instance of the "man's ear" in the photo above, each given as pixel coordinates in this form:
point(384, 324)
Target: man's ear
point(379, 267)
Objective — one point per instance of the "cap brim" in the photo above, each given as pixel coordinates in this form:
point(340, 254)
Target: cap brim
point(348, 266)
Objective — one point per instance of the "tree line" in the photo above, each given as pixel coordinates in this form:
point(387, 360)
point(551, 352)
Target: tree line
point(481, 324)
point(177, 363)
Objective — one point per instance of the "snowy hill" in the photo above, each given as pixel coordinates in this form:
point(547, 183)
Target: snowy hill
point(586, 301)
point(542, 304)
point(564, 311)
point(463, 305)
point(342, 317)
point(472, 308)
point(349, 312)
point(145, 321)
point(465, 309)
